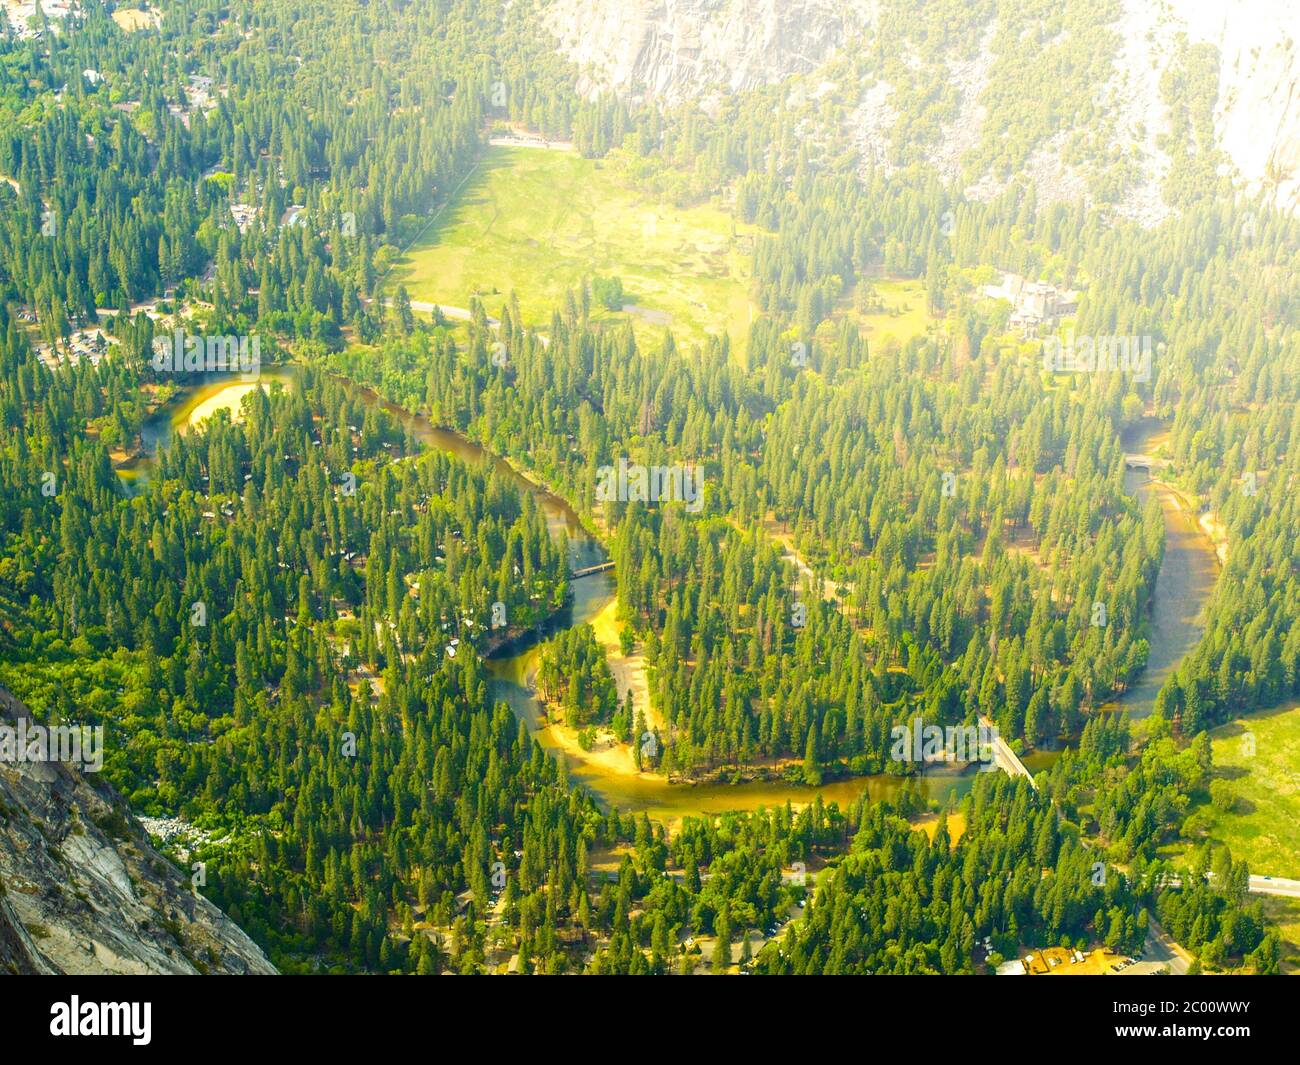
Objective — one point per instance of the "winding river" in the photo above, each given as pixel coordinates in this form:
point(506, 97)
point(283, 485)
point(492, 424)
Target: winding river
point(1186, 577)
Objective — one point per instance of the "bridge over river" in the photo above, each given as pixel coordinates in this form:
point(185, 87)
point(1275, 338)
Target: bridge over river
point(1005, 757)
point(1144, 462)
point(587, 571)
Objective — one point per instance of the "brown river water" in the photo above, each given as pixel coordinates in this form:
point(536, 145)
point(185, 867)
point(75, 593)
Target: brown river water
point(1187, 575)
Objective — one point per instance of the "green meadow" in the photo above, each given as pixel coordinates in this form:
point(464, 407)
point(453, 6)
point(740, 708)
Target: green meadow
point(1258, 757)
point(537, 221)
point(889, 310)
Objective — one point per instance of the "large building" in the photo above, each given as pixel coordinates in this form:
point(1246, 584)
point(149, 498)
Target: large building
point(1034, 304)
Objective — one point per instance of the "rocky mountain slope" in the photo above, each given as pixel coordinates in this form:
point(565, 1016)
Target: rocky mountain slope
point(82, 891)
point(1257, 116)
point(1090, 81)
point(674, 49)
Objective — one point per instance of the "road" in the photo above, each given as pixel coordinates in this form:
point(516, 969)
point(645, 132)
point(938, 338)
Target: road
point(460, 314)
point(1272, 885)
point(790, 554)
point(1160, 952)
point(1260, 885)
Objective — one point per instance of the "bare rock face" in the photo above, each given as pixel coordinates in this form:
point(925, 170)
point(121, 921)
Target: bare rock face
point(1257, 118)
point(676, 49)
point(83, 892)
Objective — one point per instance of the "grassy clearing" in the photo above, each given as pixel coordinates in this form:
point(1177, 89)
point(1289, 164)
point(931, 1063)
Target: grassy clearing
point(132, 19)
point(1259, 758)
point(929, 824)
point(538, 221)
point(885, 308)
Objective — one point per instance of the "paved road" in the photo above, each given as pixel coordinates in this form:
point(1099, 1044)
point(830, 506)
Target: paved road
point(1260, 885)
point(1273, 885)
point(1161, 952)
point(461, 314)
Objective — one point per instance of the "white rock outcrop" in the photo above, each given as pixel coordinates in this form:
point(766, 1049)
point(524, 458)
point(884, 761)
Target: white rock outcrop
point(674, 50)
point(82, 890)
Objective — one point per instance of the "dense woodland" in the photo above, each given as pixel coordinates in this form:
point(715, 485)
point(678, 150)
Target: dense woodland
point(326, 718)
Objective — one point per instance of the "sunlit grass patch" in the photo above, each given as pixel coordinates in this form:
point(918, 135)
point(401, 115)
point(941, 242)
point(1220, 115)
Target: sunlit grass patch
point(1257, 762)
point(889, 310)
point(537, 222)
